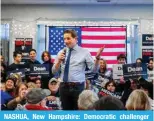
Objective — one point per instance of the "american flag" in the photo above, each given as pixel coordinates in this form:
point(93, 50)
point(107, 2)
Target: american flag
point(92, 38)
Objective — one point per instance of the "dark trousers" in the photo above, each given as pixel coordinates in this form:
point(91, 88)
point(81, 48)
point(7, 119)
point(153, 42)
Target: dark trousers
point(69, 94)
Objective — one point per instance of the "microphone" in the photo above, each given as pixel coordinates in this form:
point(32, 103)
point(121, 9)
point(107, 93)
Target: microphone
point(64, 52)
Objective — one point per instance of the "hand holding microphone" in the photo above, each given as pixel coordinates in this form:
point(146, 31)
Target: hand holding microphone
point(61, 56)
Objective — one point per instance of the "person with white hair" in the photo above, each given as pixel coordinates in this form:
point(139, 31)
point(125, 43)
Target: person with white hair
point(86, 100)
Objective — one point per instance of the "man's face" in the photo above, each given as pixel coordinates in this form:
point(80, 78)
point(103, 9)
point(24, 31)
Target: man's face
point(121, 61)
point(151, 65)
point(32, 55)
point(18, 58)
point(53, 87)
point(69, 40)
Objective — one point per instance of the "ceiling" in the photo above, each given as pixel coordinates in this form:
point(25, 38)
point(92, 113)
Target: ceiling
point(110, 2)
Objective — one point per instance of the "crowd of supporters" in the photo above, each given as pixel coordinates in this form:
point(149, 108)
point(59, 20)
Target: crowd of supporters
point(42, 92)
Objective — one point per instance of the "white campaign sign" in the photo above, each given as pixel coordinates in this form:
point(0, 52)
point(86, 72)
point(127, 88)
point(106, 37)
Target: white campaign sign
point(150, 75)
point(117, 71)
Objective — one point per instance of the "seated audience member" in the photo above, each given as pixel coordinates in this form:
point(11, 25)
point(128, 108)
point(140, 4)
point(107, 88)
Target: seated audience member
point(147, 87)
point(128, 88)
point(17, 77)
point(53, 100)
point(38, 82)
point(108, 103)
point(150, 64)
point(110, 86)
point(36, 99)
point(2, 69)
point(104, 74)
point(20, 93)
point(17, 60)
point(5, 98)
point(139, 60)
point(9, 92)
point(31, 85)
point(10, 85)
point(2, 86)
point(46, 58)
point(86, 100)
point(32, 56)
point(138, 100)
point(150, 71)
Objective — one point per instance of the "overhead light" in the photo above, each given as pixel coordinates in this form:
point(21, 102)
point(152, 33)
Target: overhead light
point(103, 0)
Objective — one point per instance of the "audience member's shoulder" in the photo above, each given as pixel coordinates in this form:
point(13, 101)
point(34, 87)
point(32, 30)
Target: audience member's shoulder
point(37, 62)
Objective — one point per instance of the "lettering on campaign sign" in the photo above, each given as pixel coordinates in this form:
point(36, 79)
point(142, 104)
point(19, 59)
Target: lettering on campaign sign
point(21, 72)
point(147, 39)
point(38, 69)
point(105, 92)
point(117, 71)
point(147, 47)
point(150, 75)
point(134, 71)
point(24, 45)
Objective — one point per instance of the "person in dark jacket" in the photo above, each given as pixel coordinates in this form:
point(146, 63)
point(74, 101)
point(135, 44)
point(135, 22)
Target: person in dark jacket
point(17, 61)
point(3, 68)
point(32, 56)
point(46, 58)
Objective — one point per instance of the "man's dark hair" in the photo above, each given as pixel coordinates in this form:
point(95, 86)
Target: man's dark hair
point(72, 32)
point(147, 86)
point(109, 82)
point(150, 59)
point(32, 50)
point(15, 53)
point(140, 60)
point(121, 56)
point(108, 103)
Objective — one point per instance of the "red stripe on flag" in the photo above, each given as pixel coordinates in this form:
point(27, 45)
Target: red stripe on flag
point(111, 61)
point(104, 29)
point(108, 53)
point(106, 45)
point(103, 37)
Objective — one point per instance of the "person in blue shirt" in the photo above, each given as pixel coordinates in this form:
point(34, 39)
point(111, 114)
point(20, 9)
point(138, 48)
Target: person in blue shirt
point(72, 62)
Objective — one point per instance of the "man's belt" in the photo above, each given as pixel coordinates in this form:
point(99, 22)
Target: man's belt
point(73, 83)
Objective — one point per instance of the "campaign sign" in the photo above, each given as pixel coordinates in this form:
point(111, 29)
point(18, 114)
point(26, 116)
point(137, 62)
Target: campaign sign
point(117, 71)
point(105, 92)
point(24, 45)
point(147, 40)
point(146, 54)
point(134, 71)
point(147, 47)
point(38, 69)
point(21, 72)
point(150, 75)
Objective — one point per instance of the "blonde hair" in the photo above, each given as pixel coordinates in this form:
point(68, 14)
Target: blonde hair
point(138, 100)
point(31, 85)
point(86, 99)
point(18, 78)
